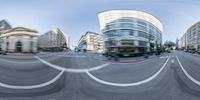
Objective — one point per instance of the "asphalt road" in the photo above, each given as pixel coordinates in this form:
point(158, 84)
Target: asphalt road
point(80, 76)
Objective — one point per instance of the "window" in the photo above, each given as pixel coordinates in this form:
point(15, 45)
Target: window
point(142, 23)
point(140, 27)
point(142, 43)
point(127, 42)
point(111, 43)
point(142, 34)
point(126, 20)
point(125, 32)
point(126, 25)
point(111, 33)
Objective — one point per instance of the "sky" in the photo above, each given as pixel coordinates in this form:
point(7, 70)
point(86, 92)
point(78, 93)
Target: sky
point(75, 17)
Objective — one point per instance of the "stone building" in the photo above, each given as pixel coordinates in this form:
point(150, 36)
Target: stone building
point(19, 39)
point(54, 40)
point(91, 41)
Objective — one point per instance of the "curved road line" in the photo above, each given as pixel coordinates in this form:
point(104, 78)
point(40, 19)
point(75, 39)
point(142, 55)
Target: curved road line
point(128, 84)
point(133, 61)
point(33, 86)
point(70, 69)
point(186, 73)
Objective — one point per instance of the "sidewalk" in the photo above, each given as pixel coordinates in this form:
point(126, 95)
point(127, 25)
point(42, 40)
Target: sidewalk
point(20, 54)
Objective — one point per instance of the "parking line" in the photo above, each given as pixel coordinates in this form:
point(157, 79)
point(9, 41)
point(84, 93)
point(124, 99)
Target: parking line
point(186, 73)
point(172, 61)
point(129, 84)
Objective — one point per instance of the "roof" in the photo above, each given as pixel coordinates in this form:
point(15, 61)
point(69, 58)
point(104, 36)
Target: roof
point(118, 13)
point(88, 32)
point(91, 32)
point(3, 20)
point(20, 29)
point(131, 10)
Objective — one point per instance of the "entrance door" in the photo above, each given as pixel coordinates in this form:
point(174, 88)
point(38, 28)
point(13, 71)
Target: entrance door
point(19, 46)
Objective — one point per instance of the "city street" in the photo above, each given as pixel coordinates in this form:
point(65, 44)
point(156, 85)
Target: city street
point(81, 76)
point(122, 50)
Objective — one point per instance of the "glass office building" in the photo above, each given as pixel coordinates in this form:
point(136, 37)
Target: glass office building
point(130, 31)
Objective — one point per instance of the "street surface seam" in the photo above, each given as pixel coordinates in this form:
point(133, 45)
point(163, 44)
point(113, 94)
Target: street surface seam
point(33, 86)
point(186, 73)
point(128, 84)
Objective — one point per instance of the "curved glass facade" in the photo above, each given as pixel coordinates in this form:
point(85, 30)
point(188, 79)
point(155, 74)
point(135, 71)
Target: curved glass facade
point(132, 30)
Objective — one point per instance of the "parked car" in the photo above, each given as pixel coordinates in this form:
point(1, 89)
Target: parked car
point(198, 51)
point(192, 51)
point(2, 52)
point(168, 51)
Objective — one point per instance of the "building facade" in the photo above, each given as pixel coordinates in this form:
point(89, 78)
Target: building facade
point(177, 43)
point(130, 31)
point(193, 37)
point(19, 39)
point(183, 42)
point(54, 40)
point(4, 25)
point(91, 42)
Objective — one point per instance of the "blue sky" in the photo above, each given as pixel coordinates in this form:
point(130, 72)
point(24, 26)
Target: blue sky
point(75, 17)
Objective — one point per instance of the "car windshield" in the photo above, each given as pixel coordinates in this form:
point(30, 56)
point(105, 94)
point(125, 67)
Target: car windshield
point(99, 50)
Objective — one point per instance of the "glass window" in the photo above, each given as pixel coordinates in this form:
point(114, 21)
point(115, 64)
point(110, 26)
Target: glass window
point(110, 33)
point(126, 25)
point(142, 34)
point(111, 43)
point(125, 32)
point(142, 43)
point(140, 27)
point(127, 42)
point(142, 23)
point(151, 27)
point(126, 20)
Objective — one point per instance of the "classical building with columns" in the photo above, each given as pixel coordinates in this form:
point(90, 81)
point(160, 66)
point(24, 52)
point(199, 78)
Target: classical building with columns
point(19, 39)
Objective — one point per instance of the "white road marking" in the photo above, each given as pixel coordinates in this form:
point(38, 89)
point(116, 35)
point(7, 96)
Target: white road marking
point(70, 69)
point(32, 86)
point(172, 61)
point(186, 73)
point(128, 84)
point(164, 57)
point(55, 78)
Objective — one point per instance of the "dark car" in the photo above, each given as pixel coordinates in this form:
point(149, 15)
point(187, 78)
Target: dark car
point(2, 53)
point(192, 51)
point(198, 51)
